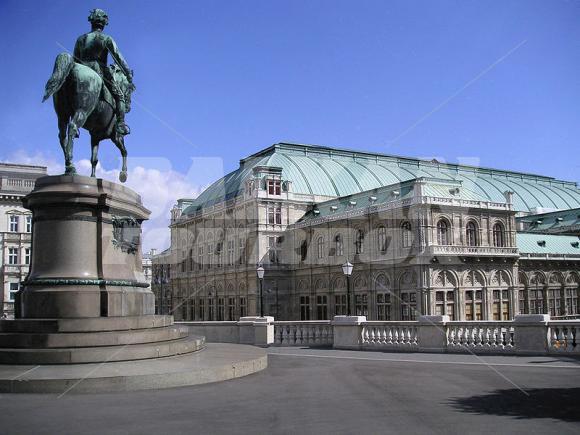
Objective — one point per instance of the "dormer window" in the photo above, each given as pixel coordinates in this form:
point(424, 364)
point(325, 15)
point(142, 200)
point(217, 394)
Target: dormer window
point(274, 187)
point(352, 203)
point(372, 199)
point(333, 208)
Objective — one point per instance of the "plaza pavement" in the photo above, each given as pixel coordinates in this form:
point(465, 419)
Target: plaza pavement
point(323, 391)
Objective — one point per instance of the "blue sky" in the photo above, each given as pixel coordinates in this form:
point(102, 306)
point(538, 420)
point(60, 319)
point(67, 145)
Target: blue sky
point(491, 83)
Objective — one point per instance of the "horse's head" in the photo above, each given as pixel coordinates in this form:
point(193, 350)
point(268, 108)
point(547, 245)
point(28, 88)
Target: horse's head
point(126, 87)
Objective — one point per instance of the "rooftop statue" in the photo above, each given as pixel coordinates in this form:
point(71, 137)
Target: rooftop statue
point(89, 94)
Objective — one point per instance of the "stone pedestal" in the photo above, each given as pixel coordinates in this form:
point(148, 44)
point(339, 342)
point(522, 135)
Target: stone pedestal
point(86, 251)
point(258, 331)
point(347, 332)
point(531, 333)
point(432, 334)
point(85, 299)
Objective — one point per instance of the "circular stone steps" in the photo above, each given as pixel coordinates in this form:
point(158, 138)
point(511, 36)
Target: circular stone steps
point(217, 362)
point(80, 355)
point(83, 339)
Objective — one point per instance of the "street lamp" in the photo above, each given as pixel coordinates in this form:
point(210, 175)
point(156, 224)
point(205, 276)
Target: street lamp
point(260, 273)
point(347, 270)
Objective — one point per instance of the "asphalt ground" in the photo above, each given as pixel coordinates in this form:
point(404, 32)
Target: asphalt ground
point(323, 391)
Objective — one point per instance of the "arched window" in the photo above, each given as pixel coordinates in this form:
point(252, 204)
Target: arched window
point(359, 242)
point(382, 239)
point(320, 245)
point(338, 246)
point(406, 235)
point(498, 235)
point(442, 232)
point(471, 234)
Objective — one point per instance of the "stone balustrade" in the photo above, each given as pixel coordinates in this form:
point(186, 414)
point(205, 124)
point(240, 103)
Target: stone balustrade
point(390, 336)
point(533, 334)
point(306, 333)
point(490, 336)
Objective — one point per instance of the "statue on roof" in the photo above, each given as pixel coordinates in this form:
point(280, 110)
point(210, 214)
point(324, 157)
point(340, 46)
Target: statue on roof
point(89, 94)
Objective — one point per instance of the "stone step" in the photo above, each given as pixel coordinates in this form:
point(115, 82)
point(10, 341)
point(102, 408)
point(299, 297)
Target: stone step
point(86, 324)
point(90, 339)
point(218, 362)
point(82, 355)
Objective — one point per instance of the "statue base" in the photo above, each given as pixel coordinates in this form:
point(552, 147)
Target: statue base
point(85, 300)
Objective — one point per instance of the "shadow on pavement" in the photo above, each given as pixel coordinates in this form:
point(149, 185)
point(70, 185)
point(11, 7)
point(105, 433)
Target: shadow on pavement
point(557, 403)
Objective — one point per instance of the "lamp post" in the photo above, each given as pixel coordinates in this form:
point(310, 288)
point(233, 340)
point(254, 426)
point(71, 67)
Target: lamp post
point(260, 273)
point(347, 270)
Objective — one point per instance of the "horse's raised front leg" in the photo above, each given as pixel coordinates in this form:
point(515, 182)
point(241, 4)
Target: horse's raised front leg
point(94, 155)
point(119, 140)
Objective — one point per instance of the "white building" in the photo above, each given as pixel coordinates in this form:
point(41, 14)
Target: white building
point(15, 227)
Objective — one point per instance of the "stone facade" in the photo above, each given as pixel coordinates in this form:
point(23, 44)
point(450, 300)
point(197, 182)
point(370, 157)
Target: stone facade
point(16, 181)
point(427, 245)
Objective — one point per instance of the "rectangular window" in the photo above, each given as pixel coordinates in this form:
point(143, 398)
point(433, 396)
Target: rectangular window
point(274, 249)
point(321, 307)
point(14, 286)
point(27, 256)
point(231, 253)
point(231, 308)
point(339, 305)
point(304, 307)
point(383, 306)
point(210, 309)
point(219, 253)
point(221, 309)
point(408, 306)
point(28, 224)
point(274, 215)
point(241, 251)
point(243, 307)
point(209, 256)
point(200, 257)
point(14, 224)
point(274, 187)
point(361, 304)
point(12, 255)
point(500, 305)
point(201, 309)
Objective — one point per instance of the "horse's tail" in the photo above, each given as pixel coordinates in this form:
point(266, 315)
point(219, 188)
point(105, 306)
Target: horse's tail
point(62, 67)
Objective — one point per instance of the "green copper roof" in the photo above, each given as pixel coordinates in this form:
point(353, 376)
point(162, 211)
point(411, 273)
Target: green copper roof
point(437, 187)
point(529, 243)
point(554, 222)
point(340, 172)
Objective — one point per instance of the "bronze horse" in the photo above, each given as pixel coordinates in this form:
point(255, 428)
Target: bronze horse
point(76, 91)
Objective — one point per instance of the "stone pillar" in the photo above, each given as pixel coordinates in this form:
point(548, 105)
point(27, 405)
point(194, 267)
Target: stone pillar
point(432, 335)
point(258, 331)
point(531, 334)
point(348, 332)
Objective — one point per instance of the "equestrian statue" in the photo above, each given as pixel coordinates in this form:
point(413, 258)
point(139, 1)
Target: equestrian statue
point(89, 94)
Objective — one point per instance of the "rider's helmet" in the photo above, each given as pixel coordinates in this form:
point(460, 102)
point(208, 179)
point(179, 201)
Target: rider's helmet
point(98, 17)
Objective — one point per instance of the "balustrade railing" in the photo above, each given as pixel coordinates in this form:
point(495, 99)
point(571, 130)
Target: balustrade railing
point(390, 335)
point(526, 335)
point(563, 337)
point(480, 336)
point(304, 333)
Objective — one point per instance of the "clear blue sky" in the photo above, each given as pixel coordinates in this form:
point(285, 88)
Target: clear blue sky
point(226, 78)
